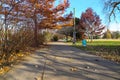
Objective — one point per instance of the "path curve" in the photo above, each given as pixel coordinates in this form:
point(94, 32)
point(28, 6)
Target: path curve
point(64, 63)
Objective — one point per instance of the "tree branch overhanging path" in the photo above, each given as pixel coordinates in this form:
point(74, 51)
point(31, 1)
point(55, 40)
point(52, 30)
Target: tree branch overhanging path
point(66, 63)
point(22, 22)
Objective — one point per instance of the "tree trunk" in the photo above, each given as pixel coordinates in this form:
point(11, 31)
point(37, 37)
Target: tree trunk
point(91, 38)
point(5, 47)
point(36, 44)
point(66, 38)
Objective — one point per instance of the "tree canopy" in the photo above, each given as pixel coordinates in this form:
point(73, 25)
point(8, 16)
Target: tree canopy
point(90, 23)
point(39, 14)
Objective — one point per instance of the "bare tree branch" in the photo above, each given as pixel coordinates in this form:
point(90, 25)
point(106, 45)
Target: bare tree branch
point(112, 6)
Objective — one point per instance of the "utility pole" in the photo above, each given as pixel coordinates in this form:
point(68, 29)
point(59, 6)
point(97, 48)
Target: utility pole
point(74, 31)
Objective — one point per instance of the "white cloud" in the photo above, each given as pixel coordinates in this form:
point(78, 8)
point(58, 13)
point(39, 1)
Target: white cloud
point(114, 27)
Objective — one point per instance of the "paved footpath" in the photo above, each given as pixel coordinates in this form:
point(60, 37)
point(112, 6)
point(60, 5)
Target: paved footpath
point(63, 63)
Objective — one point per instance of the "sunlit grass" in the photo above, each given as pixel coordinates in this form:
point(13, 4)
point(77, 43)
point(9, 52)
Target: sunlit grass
point(101, 42)
point(109, 49)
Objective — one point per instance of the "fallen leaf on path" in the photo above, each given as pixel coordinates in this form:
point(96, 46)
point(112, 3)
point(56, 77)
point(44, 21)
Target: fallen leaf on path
point(87, 67)
point(95, 70)
point(74, 69)
point(20, 54)
point(36, 66)
point(49, 63)
point(1, 71)
point(4, 69)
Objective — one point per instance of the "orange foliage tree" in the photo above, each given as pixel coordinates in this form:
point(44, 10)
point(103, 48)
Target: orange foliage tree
point(6, 11)
point(39, 14)
point(21, 21)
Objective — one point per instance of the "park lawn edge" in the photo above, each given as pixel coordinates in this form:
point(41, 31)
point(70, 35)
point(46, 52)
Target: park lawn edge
point(103, 54)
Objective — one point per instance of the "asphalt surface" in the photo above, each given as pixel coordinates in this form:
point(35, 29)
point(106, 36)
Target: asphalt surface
point(62, 62)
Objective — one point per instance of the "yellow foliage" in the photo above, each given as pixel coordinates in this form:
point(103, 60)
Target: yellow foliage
point(4, 69)
point(1, 71)
point(58, 27)
point(11, 59)
point(20, 54)
point(27, 53)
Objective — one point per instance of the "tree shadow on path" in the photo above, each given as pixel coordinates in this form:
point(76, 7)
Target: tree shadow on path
point(64, 63)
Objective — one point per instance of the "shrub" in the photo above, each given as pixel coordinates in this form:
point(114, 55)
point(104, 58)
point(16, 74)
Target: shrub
point(47, 36)
point(55, 38)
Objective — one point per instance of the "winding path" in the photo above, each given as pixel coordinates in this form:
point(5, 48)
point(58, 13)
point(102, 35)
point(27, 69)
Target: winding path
point(64, 63)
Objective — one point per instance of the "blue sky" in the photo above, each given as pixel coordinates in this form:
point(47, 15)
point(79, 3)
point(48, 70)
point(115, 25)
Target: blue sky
point(81, 5)
point(97, 6)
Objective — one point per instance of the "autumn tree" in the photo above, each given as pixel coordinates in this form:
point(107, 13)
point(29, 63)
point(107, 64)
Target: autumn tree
point(112, 8)
point(107, 34)
point(116, 34)
point(6, 10)
point(90, 24)
point(38, 13)
point(67, 31)
point(43, 14)
point(21, 20)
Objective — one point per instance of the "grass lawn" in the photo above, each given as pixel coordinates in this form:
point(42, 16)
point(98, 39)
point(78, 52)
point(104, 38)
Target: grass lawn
point(109, 49)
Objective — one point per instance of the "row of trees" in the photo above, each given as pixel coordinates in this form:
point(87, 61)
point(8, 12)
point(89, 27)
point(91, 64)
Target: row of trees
point(38, 14)
point(68, 31)
point(89, 25)
point(21, 23)
point(111, 35)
